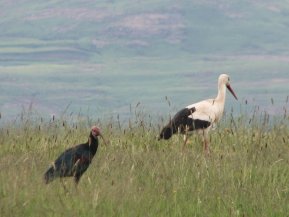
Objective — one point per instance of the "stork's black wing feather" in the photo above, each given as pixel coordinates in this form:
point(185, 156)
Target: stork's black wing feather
point(179, 121)
point(182, 122)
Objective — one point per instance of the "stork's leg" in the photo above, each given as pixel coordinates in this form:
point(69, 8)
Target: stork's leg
point(206, 147)
point(185, 139)
point(206, 142)
point(186, 136)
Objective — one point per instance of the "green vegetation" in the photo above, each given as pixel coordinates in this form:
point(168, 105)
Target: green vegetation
point(247, 173)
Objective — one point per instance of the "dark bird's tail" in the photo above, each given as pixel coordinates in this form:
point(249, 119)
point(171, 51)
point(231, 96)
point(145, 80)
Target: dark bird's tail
point(49, 175)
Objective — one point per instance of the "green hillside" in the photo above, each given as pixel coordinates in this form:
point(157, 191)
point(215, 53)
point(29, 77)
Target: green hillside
point(86, 29)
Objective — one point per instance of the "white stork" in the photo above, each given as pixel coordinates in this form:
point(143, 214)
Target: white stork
point(200, 116)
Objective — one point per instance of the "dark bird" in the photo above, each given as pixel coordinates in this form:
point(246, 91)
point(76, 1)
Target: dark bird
point(200, 116)
point(74, 161)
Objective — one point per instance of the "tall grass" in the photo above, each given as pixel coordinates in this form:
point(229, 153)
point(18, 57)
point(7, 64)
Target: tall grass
point(247, 173)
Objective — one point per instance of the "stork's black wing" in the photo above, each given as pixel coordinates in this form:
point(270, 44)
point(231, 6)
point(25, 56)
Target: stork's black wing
point(179, 121)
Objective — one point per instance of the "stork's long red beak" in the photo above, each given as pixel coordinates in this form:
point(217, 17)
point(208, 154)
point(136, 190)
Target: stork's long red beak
point(231, 90)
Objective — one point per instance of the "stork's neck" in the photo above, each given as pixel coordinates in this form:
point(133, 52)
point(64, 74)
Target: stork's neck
point(221, 93)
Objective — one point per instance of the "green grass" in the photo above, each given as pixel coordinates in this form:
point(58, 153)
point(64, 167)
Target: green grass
point(247, 173)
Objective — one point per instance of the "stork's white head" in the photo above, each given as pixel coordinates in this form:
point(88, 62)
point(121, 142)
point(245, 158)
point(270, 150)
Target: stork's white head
point(224, 79)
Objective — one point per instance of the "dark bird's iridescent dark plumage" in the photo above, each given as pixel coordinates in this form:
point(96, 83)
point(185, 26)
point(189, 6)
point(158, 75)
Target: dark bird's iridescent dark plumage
point(74, 161)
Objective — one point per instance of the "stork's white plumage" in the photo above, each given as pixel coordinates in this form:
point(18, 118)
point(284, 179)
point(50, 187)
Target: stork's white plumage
point(200, 116)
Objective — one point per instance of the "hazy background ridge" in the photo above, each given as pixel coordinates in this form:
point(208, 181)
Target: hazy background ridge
point(103, 57)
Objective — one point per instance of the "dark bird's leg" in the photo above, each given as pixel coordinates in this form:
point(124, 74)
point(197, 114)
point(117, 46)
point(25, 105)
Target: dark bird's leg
point(64, 187)
point(75, 166)
point(76, 181)
point(76, 175)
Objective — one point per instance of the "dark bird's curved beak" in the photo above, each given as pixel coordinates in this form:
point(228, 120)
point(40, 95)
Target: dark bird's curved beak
point(232, 91)
point(103, 139)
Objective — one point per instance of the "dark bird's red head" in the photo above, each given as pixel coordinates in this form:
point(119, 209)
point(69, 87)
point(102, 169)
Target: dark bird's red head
point(95, 131)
